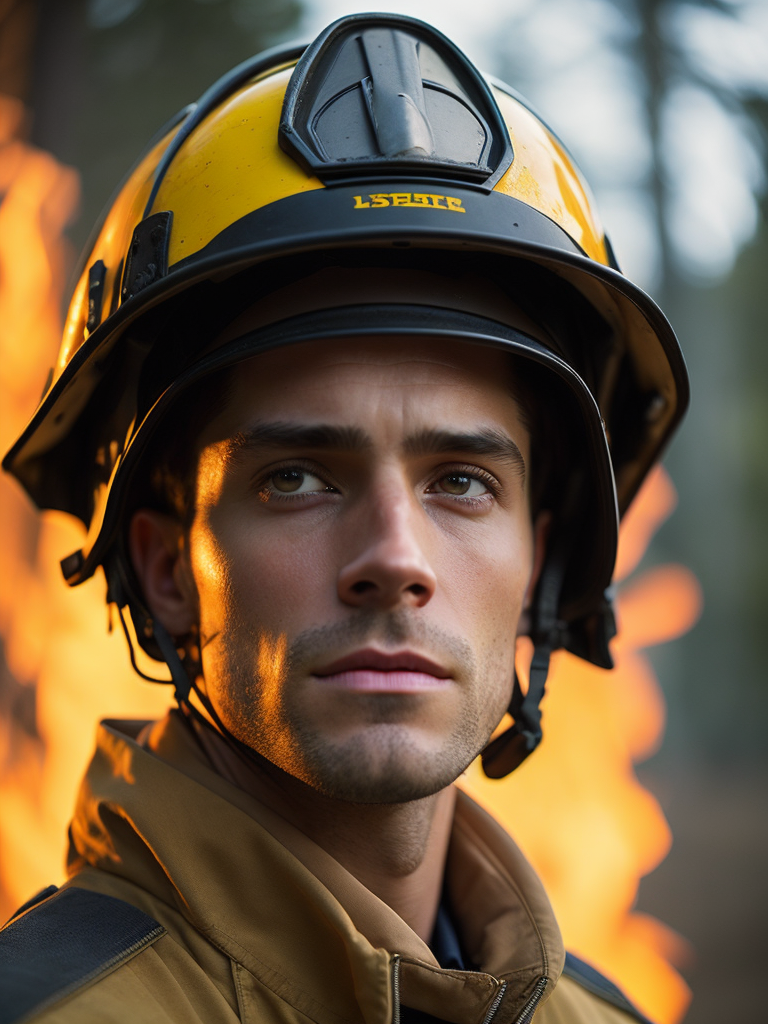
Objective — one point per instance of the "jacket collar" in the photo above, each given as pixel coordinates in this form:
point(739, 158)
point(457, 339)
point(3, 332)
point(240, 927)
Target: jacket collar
point(267, 896)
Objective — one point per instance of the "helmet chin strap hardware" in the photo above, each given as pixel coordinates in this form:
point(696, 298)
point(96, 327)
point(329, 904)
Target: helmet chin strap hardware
point(179, 676)
point(512, 747)
point(118, 589)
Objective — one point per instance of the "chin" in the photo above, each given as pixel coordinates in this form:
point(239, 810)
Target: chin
point(384, 766)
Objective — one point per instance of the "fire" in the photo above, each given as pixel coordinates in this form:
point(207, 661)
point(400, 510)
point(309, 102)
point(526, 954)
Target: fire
point(576, 807)
point(61, 661)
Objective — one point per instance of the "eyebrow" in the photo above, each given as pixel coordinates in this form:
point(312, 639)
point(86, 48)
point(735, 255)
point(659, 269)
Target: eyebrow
point(493, 444)
point(320, 436)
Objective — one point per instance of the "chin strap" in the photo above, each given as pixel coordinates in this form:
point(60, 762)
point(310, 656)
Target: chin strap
point(183, 675)
point(511, 748)
point(122, 595)
point(182, 683)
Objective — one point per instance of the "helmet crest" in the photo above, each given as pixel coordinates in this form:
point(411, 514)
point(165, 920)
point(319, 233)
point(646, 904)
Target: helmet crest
point(387, 90)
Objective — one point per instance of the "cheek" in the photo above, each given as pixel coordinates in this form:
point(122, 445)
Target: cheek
point(487, 581)
point(247, 575)
point(211, 570)
point(486, 598)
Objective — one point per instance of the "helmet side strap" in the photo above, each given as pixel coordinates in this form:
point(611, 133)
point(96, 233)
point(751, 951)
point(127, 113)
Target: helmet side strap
point(183, 681)
point(123, 595)
point(512, 747)
point(182, 684)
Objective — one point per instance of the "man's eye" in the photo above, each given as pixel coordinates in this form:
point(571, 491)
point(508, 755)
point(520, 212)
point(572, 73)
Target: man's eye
point(296, 481)
point(462, 484)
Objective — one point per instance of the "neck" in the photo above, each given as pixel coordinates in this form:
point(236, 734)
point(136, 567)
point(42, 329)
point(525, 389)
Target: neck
point(397, 851)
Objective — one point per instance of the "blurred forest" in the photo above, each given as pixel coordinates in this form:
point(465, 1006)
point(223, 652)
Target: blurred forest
point(665, 106)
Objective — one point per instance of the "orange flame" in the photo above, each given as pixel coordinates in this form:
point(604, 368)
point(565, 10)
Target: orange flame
point(55, 642)
point(578, 810)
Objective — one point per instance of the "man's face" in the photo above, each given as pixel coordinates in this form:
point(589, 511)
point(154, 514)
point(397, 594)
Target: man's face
point(362, 548)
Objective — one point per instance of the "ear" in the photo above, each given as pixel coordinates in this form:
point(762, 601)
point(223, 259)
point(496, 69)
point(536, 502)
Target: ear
point(540, 537)
point(159, 557)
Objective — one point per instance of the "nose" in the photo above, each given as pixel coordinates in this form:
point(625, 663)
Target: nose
point(389, 568)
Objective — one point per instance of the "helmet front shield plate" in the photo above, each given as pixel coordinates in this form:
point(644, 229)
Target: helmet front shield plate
point(389, 92)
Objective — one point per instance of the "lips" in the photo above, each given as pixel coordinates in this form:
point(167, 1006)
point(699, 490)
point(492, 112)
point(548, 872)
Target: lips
point(375, 671)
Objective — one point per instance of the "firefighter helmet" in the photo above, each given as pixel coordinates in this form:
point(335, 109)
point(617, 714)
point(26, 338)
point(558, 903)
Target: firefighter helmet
point(373, 181)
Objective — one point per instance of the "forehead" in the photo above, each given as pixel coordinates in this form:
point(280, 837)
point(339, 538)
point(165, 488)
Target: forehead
point(403, 379)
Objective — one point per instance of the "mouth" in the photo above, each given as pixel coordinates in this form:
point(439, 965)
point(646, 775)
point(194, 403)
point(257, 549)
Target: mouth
point(372, 671)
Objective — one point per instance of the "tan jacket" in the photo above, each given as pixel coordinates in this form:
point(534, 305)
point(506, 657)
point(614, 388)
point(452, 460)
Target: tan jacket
point(261, 925)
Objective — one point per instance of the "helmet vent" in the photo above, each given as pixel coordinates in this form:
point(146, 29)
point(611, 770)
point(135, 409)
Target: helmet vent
point(387, 94)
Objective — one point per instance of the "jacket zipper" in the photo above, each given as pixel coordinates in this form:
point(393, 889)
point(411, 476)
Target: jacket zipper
point(533, 1002)
point(495, 1004)
point(395, 988)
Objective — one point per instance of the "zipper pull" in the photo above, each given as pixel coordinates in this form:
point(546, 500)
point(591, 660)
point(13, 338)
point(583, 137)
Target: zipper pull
point(496, 1003)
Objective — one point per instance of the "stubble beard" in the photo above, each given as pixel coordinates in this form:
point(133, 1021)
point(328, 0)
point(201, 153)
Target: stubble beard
point(380, 763)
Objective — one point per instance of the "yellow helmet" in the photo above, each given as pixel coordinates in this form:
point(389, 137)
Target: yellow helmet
point(378, 156)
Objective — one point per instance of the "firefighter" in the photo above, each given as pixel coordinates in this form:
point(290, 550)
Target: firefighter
point(351, 394)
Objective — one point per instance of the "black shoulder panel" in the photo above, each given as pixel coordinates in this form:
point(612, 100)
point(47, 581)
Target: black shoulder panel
point(64, 943)
point(594, 982)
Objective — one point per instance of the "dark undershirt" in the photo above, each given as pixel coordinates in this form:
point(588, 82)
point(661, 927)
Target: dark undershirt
point(446, 948)
point(445, 943)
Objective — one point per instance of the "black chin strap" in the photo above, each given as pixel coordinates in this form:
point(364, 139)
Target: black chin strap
point(511, 748)
point(182, 677)
point(179, 675)
point(182, 683)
